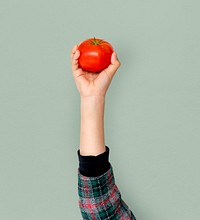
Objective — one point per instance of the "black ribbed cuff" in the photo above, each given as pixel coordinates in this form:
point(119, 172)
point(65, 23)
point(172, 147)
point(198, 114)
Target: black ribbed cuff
point(93, 166)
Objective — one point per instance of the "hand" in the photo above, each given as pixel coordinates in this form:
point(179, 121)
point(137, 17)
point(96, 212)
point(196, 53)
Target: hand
point(93, 84)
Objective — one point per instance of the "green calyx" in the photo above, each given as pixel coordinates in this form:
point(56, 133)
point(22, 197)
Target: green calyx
point(96, 42)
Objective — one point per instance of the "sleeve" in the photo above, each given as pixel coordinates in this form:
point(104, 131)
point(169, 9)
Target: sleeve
point(100, 198)
point(93, 166)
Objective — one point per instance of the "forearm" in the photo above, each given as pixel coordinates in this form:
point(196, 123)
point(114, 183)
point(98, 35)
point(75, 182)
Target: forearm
point(92, 126)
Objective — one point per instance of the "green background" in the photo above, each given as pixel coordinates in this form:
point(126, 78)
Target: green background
point(152, 118)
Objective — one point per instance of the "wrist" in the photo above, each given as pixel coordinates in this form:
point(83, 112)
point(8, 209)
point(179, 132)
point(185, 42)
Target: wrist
point(92, 99)
point(93, 105)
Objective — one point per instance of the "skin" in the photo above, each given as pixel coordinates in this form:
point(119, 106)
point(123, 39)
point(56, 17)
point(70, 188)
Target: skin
point(92, 88)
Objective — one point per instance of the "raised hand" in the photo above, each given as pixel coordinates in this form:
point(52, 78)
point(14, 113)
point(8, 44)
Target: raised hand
point(93, 84)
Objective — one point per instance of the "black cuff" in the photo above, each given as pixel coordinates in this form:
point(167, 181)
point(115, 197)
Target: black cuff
point(92, 166)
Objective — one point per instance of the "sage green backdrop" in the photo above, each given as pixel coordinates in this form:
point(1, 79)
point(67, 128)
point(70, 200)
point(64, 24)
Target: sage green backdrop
point(152, 118)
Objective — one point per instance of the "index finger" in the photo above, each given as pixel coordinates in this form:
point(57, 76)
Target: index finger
point(73, 51)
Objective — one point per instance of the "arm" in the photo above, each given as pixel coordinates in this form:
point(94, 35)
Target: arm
point(92, 88)
point(99, 197)
point(92, 126)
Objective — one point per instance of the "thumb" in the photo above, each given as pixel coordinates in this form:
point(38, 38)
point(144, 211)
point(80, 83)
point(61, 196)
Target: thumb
point(115, 64)
point(114, 59)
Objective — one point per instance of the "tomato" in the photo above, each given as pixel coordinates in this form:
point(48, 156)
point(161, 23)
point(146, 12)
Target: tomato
point(95, 55)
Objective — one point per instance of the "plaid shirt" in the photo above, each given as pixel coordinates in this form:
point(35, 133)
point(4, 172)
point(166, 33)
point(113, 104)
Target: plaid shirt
point(99, 198)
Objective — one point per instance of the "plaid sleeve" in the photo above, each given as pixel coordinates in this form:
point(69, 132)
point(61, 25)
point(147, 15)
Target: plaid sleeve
point(100, 198)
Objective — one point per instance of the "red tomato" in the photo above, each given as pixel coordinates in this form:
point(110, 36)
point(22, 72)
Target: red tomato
point(95, 55)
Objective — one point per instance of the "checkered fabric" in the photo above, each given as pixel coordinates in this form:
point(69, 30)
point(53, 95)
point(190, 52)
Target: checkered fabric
point(100, 198)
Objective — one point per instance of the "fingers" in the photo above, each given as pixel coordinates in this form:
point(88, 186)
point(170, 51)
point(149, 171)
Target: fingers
point(75, 53)
point(75, 65)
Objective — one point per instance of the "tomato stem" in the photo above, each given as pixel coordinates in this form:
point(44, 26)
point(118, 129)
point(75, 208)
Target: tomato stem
point(96, 42)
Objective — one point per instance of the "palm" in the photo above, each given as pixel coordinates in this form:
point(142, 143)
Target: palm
point(91, 83)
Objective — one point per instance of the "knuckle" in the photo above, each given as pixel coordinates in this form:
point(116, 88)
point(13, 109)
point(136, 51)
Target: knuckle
point(118, 63)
